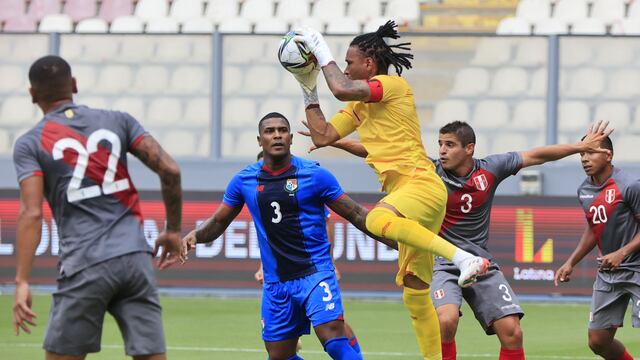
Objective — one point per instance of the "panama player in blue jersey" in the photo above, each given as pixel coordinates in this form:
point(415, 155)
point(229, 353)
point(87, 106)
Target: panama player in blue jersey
point(286, 197)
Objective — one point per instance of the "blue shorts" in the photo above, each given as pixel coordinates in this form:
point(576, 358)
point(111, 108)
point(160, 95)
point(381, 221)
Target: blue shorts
point(289, 308)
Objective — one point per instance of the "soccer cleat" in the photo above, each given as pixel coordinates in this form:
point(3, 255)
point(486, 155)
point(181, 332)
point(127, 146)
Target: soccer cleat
point(471, 270)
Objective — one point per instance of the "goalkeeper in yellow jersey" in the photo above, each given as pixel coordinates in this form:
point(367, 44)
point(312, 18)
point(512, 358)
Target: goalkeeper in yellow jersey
point(381, 108)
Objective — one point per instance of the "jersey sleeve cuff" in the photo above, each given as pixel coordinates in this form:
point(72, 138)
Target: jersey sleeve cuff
point(137, 141)
point(375, 88)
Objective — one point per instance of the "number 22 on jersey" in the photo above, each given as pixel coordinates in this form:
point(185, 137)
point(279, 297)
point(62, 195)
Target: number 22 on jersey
point(109, 184)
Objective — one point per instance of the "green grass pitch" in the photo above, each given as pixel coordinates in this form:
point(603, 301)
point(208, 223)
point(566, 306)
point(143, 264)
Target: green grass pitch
point(213, 328)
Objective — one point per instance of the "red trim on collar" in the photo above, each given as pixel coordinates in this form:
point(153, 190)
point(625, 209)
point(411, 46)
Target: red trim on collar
point(276, 172)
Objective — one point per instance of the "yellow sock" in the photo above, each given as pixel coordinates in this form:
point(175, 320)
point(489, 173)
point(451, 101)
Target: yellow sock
point(425, 322)
point(385, 223)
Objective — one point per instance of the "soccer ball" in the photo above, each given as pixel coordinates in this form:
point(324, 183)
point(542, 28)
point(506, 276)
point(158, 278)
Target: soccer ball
point(295, 57)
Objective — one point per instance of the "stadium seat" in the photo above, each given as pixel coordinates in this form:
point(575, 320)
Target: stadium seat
point(59, 23)
point(251, 49)
point(514, 26)
point(96, 102)
point(198, 113)
point(614, 53)
point(132, 105)
point(533, 10)
point(550, 27)
point(5, 142)
point(38, 9)
point(218, 10)
point(162, 26)
point(538, 87)
point(343, 26)
point(27, 48)
point(492, 51)
point(635, 126)
point(509, 81)
point(569, 11)
point(188, 80)
point(164, 111)
point(114, 79)
point(17, 110)
point(112, 9)
point(586, 83)
point(150, 79)
point(403, 11)
point(589, 26)
point(364, 10)
point(97, 48)
point(634, 10)
point(268, 76)
point(626, 148)
point(309, 22)
point(288, 85)
point(127, 24)
point(293, 10)
point(254, 10)
point(626, 27)
point(182, 10)
point(247, 144)
point(81, 9)
point(491, 114)
point(228, 144)
point(470, 82)
point(198, 26)
point(20, 24)
point(94, 25)
point(608, 10)
point(271, 26)
point(12, 9)
point(573, 116)
point(447, 111)
point(616, 113)
point(179, 143)
point(231, 79)
point(204, 145)
point(327, 10)
point(576, 51)
point(86, 76)
point(13, 79)
point(173, 49)
point(623, 84)
point(235, 25)
point(238, 113)
point(151, 9)
point(531, 52)
point(529, 115)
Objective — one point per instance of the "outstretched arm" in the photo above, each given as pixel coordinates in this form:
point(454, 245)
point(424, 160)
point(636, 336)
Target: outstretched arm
point(591, 143)
point(29, 229)
point(156, 159)
point(213, 227)
point(586, 244)
point(351, 146)
point(357, 215)
point(322, 133)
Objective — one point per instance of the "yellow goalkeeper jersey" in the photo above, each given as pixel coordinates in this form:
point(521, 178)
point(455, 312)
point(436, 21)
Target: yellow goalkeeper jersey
point(388, 127)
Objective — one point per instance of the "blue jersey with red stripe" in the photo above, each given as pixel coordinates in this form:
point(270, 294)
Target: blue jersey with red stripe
point(289, 214)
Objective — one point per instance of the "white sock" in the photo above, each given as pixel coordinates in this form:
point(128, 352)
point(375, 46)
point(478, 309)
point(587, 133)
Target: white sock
point(461, 256)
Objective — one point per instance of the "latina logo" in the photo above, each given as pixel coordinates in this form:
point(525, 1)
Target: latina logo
point(291, 186)
point(610, 196)
point(481, 182)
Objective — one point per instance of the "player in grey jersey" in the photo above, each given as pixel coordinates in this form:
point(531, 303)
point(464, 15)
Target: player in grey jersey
point(76, 158)
point(611, 202)
point(471, 184)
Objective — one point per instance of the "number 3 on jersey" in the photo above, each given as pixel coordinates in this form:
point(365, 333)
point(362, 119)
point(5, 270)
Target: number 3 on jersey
point(466, 207)
point(109, 186)
point(276, 212)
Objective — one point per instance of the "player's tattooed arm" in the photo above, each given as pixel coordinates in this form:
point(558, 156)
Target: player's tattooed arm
point(153, 156)
point(586, 244)
point(590, 144)
point(213, 227)
point(357, 215)
point(342, 87)
point(322, 133)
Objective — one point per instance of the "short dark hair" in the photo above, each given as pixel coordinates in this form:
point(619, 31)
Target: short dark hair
point(463, 131)
point(605, 144)
point(50, 77)
point(374, 45)
point(273, 115)
point(260, 155)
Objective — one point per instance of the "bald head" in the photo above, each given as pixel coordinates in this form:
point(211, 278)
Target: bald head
point(51, 80)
